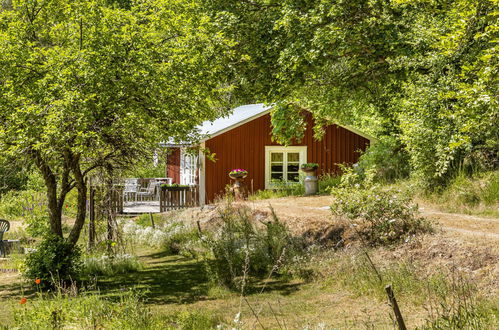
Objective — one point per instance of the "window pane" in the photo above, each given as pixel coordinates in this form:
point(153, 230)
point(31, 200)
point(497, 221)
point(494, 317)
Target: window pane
point(276, 176)
point(293, 177)
point(276, 167)
point(293, 157)
point(276, 157)
point(293, 167)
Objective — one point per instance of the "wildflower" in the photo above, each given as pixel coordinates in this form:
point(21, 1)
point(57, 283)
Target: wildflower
point(23, 301)
point(38, 281)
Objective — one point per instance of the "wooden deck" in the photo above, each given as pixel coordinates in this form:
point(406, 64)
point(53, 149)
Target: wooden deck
point(170, 198)
point(141, 207)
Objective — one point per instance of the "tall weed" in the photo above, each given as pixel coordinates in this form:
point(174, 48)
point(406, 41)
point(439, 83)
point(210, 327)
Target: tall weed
point(85, 311)
point(455, 305)
point(111, 265)
point(243, 247)
point(470, 194)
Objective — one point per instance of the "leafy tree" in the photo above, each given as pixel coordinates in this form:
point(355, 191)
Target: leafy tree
point(85, 84)
point(13, 176)
point(424, 71)
point(449, 113)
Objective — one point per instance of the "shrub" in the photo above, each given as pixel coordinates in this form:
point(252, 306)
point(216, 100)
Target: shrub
point(54, 261)
point(111, 265)
point(328, 181)
point(382, 217)
point(240, 249)
point(385, 161)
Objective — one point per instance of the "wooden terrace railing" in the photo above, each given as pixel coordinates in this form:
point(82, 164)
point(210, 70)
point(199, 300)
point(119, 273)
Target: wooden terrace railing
point(173, 198)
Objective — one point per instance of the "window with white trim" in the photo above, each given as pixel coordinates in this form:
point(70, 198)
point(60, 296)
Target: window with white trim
point(282, 164)
point(188, 168)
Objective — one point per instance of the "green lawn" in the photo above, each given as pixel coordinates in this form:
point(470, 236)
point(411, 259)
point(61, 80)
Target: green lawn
point(173, 284)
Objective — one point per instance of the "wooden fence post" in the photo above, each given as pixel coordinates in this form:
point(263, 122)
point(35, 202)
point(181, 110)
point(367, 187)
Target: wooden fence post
point(91, 220)
point(395, 307)
point(152, 220)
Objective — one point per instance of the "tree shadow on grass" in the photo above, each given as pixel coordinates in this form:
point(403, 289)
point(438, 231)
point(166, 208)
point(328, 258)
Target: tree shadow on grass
point(165, 280)
point(173, 279)
point(12, 286)
point(281, 286)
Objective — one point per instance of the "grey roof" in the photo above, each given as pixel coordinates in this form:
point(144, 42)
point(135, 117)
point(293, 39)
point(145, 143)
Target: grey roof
point(238, 116)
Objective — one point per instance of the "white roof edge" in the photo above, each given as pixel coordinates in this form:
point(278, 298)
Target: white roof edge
point(240, 123)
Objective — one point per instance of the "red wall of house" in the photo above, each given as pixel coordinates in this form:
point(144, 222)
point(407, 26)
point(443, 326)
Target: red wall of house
point(173, 165)
point(244, 147)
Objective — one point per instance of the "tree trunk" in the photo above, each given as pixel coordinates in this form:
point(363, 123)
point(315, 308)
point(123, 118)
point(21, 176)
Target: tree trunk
point(91, 219)
point(81, 186)
point(109, 207)
point(55, 210)
point(54, 207)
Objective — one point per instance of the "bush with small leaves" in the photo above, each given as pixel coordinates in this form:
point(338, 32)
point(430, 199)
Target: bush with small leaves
point(54, 261)
point(380, 217)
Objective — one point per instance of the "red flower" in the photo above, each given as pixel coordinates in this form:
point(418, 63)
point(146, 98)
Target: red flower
point(38, 281)
point(23, 301)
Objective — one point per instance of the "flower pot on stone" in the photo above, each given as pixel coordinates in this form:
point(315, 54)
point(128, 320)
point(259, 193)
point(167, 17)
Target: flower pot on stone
point(238, 176)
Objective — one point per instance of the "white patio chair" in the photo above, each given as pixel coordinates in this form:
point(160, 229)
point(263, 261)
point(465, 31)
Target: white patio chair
point(149, 191)
point(131, 189)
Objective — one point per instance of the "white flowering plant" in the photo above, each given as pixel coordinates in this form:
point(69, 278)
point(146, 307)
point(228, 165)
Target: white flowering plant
point(111, 264)
point(170, 236)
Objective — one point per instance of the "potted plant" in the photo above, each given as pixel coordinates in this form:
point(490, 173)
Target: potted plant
point(174, 187)
point(309, 167)
point(238, 173)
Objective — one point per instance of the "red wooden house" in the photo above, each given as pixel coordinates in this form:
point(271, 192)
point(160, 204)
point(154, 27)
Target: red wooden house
point(243, 140)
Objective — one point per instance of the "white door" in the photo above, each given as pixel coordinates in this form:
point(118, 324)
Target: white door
point(188, 168)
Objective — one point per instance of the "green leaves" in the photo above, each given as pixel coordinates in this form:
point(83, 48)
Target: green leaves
point(94, 75)
point(422, 70)
point(91, 83)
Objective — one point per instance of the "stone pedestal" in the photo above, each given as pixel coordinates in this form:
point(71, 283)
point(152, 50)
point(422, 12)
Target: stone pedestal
point(239, 188)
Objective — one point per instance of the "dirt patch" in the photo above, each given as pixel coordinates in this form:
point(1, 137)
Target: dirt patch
point(301, 214)
point(442, 252)
point(469, 244)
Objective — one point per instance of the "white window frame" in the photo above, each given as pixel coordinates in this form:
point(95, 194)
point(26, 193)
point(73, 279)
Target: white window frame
point(188, 168)
point(302, 150)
